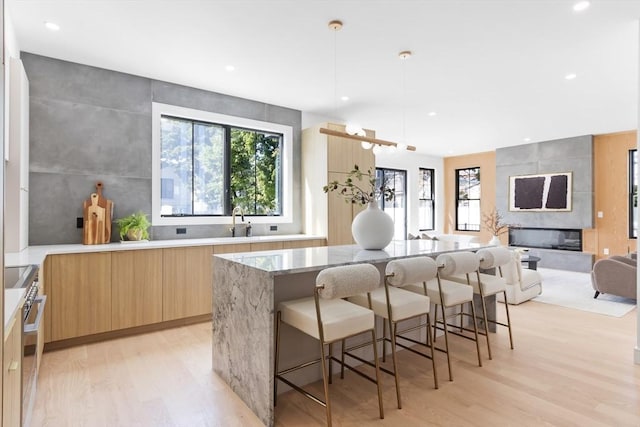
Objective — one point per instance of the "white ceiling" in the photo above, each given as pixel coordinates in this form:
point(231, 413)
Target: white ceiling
point(493, 71)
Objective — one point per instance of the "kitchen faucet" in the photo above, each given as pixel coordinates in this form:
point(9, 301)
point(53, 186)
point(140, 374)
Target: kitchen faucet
point(235, 211)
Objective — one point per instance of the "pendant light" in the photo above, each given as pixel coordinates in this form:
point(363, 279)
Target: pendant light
point(404, 56)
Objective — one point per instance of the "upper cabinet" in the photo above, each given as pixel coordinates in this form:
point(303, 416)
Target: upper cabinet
point(326, 158)
point(17, 167)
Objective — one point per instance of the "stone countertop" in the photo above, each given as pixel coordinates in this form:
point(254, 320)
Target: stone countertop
point(37, 254)
point(286, 261)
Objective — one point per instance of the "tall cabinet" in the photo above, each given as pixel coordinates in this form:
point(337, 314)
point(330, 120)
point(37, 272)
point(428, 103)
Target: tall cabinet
point(324, 159)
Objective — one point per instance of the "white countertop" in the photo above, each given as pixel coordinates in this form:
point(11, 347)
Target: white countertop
point(287, 261)
point(37, 254)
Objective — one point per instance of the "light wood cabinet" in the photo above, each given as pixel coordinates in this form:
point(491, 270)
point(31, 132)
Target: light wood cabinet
point(312, 243)
point(136, 288)
point(186, 282)
point(81, 295)
point(109, 291)
point(266, 246)
point(325, 159)
point(11, 376)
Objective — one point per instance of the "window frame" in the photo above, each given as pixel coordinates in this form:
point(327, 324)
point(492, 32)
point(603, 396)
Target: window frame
point(631, 184)
point(382, 202)
point(458, 199)
point(432, 198)
point(158, 110)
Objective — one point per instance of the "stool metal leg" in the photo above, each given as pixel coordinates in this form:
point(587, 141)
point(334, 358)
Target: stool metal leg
point(393, 329)
point(325, 382)
point(475, 331)
point(506, 307)
point(433, 353)
point(377, 363)
point(342, 360)
point(330, 363)
point(446, 339)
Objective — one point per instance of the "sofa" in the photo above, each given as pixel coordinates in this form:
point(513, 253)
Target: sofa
point(522, 284)
point(615, 275)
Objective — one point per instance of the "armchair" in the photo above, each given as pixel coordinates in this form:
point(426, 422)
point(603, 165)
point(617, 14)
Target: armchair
point(522, 283)
point(615, 275)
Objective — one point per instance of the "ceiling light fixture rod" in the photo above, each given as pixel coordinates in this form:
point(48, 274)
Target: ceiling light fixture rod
point(362, 138)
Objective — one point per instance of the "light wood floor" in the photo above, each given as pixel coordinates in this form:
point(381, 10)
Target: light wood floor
point(569, 368)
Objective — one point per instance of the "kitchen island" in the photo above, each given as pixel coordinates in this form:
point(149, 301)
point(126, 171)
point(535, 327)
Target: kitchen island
point(248, 286)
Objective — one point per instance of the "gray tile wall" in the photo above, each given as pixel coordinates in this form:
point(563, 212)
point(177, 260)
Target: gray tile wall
point(89, 124)
point(561, 155)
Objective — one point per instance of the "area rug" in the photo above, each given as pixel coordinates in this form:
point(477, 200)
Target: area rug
point(573, 290)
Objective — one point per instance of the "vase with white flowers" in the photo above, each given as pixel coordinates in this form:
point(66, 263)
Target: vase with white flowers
point(372, 228)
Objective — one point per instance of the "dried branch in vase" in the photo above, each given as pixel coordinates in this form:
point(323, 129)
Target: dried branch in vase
point(494, 222)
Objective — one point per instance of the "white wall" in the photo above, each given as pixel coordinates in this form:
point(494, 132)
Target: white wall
point(412, 162)
point(11, 50)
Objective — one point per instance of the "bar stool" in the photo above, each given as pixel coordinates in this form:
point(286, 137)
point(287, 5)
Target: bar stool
point(448, 294)
point(397, 305)
point(486, 285)
point(328, 318)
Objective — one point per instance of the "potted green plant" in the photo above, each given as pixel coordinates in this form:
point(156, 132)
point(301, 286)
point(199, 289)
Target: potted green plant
point(134, 226)
point(372, 229)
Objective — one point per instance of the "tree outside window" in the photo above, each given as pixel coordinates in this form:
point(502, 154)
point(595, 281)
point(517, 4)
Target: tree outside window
point(213, 168)
point(468, 213)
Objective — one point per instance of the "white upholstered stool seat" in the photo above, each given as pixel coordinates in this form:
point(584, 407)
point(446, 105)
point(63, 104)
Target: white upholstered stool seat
point(491, 284)
point(396, 305)
point(340, 318)
point(329, 318)
point(453, 293)
point(404, 304)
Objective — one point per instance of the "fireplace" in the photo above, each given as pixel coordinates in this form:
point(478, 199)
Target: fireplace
point(546, 238)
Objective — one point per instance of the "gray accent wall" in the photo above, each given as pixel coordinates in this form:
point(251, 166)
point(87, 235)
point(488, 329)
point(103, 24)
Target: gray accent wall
point(561, 155)
point(89, 124)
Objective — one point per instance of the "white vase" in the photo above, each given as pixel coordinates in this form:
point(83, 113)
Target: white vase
point(495, 240)
point(372, 229)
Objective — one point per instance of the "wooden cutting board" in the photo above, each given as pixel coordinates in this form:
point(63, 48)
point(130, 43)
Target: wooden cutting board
point(98, 212)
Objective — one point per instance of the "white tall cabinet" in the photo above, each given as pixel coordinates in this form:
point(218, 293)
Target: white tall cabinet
point(17, 166)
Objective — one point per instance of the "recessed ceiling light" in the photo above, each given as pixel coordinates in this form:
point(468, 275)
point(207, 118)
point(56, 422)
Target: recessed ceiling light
point(433, 113)
point(527, 139)
point(230, 68)
point(571, 76)
point(52, 26)
point(344, 98)
point(581, 5)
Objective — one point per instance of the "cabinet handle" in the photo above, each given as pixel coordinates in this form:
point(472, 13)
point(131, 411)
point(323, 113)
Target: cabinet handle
point(13, 366)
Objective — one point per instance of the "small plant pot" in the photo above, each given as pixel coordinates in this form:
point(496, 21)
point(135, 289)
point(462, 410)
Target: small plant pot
point(134, 234)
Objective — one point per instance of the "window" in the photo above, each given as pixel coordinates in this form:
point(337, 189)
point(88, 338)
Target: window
point(633, 194)
point(468, 199)
point(426, 203)
point(207, 164)
point(397, 180)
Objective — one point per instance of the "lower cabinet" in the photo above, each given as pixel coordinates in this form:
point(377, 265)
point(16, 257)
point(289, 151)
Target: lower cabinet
point(91, 293)
point(11, 376)
point(186, 282)
point(136, 288)
point(80, 294)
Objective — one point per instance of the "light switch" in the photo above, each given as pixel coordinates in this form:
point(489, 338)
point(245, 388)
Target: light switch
point(605, 251)
point(600, 214)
